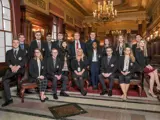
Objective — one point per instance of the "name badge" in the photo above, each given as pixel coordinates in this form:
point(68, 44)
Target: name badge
point(57, 66)
point(79, 69)
point(131, 64)
point(26, 51)
point(19, 58)
point(43, 49)
point(42, 67)
point(112, 65)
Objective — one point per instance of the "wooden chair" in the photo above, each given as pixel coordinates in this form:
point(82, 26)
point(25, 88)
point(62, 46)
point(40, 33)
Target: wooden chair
point(133, 82)
point(25, 86)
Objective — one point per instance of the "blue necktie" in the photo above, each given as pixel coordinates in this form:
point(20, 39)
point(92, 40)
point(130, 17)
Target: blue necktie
point(22, 46)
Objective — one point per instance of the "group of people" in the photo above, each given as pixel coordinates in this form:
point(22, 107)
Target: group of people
point(47, 60)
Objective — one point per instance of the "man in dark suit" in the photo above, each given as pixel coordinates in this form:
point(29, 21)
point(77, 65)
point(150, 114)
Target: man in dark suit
point(15, 59)
point(108, 69)
point(57, 44)
point(75, 45)
point(89, 43)
point(37, 43)
point(23, 45)
point(54, 73)
point(94, 65)
point(134, 46)
point(49, 45)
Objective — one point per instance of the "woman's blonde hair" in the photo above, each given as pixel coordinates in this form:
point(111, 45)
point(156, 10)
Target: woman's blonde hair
point(144, 48)
point(82, 56)
point(131, 54)
point(41, 57)
point(118, 43)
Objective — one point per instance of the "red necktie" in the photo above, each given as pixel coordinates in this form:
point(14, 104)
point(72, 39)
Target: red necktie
point(77, 45)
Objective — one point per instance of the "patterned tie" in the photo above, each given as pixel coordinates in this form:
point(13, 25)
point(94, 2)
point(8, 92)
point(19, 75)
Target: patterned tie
point(39, 44)
point(77, 45)
point(15, 53)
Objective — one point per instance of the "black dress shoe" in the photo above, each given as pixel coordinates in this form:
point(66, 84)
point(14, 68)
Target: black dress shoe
point(64, 94)
point(110, 93)
point(103, 92)
point(84, 93)
point(55, 96)
point(7, 103)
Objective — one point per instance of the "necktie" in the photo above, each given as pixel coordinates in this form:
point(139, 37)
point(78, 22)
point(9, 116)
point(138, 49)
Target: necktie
point(15, 53)
point(54, 63)
point(77, 45)
point(22, 46)
point(59, 43)
point(39, 44)
point(49, 45)
point(109, 60)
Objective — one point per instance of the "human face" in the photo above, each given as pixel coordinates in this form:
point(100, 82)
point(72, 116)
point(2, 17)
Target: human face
point(121, 39)
point(38, 36)
point(15, 43)
point(93, 36)
point(94, 45)
point(64, 44)
point(37, 53)
point(76, 36)
point(138, 38)
point(79, 52)
point(109, 51)
point(60, 36)
point(127, 51)
point(49, 37)
point(142, 43)
point(54, 53)
point(106, 42)
point(21, 38)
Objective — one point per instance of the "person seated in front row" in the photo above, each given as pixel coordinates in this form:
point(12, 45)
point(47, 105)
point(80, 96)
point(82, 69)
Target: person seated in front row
point(126, 68)
point(94, 64)
point(37, 73)
point(54, 73)
point(78, 66)
point(108, 69)
point(142, 60)
point(15, 59)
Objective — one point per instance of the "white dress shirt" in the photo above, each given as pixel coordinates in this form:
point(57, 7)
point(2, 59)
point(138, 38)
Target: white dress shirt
point(126, 63)
point(94, 57)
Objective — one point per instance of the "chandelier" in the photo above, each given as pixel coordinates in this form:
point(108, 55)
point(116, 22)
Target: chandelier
point(105, 11)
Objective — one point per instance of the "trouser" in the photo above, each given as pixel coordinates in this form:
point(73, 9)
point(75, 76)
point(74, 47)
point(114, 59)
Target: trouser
point(64, 80)
point(111, 80)
point(79, 81)
point(94, 73)
point(9, 75)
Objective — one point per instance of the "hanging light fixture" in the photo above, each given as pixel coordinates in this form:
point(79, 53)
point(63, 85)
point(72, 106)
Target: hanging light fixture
point(105, 11)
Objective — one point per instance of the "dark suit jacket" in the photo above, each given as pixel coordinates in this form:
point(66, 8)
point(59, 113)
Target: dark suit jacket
point(48, 51)
point(34, 45)
point(56, 45)
point(141, 60)
point(134, 46)
point(51, 70)
point(109, 68)
point(33, 70)
point(132, 65)
point(72, 48)
point(89, 46)
point(26, 49)
point(99, 56)
point(19, 60)
point(117, 49)
point(75, 65)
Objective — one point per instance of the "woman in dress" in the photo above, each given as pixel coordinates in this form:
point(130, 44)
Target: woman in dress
point(126, 68)
point(143, 61)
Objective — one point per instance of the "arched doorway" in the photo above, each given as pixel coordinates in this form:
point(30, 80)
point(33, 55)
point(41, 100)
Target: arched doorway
point(5, 28)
